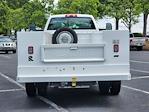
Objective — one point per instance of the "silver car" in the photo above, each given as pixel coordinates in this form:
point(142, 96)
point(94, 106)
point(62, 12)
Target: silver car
point(7, 44)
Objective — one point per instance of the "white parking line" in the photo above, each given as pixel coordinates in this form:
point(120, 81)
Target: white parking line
point(143, 77)
point(10, 90)
point(135, 89)
point(12, 81)
point(134, 61)
point(47, 101)
point(58, 108)
point(141, 71)
point(5, 56)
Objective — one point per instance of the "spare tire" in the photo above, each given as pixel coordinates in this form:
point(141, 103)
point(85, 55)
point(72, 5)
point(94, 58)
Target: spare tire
point(64, 36)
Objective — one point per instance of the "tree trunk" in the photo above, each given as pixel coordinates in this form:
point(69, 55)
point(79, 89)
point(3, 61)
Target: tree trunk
point(130, 24)
point(15, 33)
point(145, 16)
point(129, 27)
point(116, 24)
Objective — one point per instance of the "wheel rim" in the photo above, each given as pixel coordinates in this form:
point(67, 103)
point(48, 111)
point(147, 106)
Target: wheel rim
point(64, 37)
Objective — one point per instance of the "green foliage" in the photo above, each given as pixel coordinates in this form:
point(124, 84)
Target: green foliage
point(19, 14)
point(4, 10)
point(112, 8)
point(145, 6)
point(15, 19)
point(77, 6)
point(115, 8)
point(14, 4)
point(48, 5)
point(126, 10)
point(34, 13)
point(132, 12)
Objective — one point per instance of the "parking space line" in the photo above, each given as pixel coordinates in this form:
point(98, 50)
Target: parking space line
point(4, 56)
point(142, 71)
point(143, 77)
point(135, 89)
point(47, 101)
point(134, 61)
point(12, 81)
point(10, 90)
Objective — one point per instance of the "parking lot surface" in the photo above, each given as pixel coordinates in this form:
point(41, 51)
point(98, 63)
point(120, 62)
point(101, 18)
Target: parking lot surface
point(134, 95)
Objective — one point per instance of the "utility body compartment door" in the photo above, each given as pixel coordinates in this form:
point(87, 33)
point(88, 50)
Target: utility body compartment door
point(72, 53)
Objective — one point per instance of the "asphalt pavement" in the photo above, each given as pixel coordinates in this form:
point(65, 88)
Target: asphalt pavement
point(134, 95)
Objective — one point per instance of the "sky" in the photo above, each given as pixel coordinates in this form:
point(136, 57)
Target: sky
point(55, 1)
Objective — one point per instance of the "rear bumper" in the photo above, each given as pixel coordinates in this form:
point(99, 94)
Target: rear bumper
point(136, 45)
point(79, 78)
point(68, 73)
point(7, 48)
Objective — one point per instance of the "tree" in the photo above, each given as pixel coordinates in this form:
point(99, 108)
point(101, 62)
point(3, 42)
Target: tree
point(132, 12)
point(113, 8)
point(85, 7)
point(77, 6)
point(63, 7)
point(15, 19)
point(48, 5)
point(18, 14)
point(102, 8)
point(4, 10)
point(145, 10)
point(14, 4)
point(34, 13)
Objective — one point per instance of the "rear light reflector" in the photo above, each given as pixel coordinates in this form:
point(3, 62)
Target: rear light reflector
point(30, 50)
point(116, 48)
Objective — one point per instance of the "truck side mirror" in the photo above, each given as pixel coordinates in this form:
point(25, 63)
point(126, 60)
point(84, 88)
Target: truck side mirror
point(108, 26)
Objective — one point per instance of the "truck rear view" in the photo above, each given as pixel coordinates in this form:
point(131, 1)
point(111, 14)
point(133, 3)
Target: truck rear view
point(71, 51)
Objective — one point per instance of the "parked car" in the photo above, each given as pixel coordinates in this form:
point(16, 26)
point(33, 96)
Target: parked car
point(7, 44)
point(137, 40)
point(13, 38)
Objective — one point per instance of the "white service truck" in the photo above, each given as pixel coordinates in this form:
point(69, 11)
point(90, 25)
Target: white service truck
point(137, 40)
point(71, 51)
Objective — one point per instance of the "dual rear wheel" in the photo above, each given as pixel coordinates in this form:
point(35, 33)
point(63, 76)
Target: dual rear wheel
point(109, 87)
point(33, 89)
point(105, 87)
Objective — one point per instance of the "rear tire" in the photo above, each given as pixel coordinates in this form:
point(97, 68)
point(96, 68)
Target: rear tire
point(14, 51)
point(104, 87)
point(42, 88)
point(115, 87)
point(139, 48)
point(109, 87)
point(30, 89)
point(6, 52)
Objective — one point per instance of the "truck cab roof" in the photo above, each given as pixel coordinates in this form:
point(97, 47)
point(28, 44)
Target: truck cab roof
point(71, 15)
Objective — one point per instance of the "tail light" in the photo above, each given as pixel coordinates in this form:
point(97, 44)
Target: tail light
point(30, 49)
point(116, 48)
